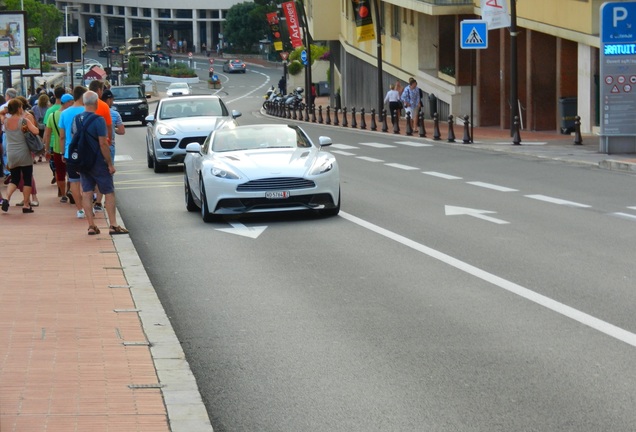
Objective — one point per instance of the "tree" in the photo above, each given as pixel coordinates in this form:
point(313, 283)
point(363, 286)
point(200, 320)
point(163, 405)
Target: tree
point(245, 25)
point(43, 21)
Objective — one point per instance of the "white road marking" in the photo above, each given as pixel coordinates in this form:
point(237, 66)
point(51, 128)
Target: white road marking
point(413, 144)
point(376, 145)
point(400, 166)
point(557, 201)
point(553, 305)
point(441, 175)
point(370, 159)
point(632, 208)
point(244, 231)
point(625, 215)
point(344, 146)
point(120, 158)
point(479, 214)
point(344, 153)
point(493, 187)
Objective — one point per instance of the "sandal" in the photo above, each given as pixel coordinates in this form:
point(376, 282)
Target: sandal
point(118, 230)
point(27, 209)
point(92, 230)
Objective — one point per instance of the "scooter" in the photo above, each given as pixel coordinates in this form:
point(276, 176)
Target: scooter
point(294, 98)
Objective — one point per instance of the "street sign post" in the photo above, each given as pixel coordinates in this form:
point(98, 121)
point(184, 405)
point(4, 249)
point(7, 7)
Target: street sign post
point(473, 35)
point(618, 77)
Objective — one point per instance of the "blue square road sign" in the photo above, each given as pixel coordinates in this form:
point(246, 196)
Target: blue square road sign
point(474, 34)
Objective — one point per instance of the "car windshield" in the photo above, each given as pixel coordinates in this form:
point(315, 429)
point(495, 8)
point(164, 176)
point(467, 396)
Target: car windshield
point(178, 85)
point(236, 61)
point(192, 108)
point(127, 93)
point(259, 137)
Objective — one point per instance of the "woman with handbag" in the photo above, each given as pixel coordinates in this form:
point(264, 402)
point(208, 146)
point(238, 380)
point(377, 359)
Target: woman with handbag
point(19, 156)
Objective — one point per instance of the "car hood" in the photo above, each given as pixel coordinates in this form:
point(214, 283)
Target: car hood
point(271, 162)
point(204, 125)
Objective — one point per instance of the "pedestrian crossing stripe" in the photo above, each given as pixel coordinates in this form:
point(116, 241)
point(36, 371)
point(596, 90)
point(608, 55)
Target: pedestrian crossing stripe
point(474, 34)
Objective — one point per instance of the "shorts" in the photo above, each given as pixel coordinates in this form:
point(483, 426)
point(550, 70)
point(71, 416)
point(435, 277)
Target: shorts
point(98, 176)
point(73, 176)
point(60, 167)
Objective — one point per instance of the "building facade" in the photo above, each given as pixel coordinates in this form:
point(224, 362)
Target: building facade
point(557, 58)
point(113, 22)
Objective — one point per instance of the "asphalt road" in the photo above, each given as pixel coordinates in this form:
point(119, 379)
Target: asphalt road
point(458, 290)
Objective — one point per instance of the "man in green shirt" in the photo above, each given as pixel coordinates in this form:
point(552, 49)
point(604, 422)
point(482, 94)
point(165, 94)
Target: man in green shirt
point(52, 139)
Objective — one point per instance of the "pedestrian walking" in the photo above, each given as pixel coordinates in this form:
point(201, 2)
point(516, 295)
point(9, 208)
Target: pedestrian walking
point(411, 98)
point(393, 99)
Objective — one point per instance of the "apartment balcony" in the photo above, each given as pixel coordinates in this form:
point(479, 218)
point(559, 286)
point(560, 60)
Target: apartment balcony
point(448, 2)
point(438, 7)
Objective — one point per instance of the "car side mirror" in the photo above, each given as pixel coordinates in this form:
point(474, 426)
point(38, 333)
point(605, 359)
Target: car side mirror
point(325, 141)
point(193, 148)
point(150, 118)
point(236, 114)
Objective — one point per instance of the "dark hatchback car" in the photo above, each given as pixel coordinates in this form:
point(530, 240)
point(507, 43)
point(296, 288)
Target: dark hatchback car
point(131, 102)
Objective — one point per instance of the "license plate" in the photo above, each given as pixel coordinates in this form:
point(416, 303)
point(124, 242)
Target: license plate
point(277, 195)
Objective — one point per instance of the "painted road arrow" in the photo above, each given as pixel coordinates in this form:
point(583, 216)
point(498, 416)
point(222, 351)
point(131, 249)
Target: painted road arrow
point(480, 214)
point(242, 230)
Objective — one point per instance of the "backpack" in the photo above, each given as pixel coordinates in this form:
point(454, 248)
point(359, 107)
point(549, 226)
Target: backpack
point(83, 149)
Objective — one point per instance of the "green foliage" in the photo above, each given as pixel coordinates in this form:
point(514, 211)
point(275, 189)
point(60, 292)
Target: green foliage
point(46, 67)
point(317, 52)
point(295, 67)
point(135, 71)
point(43, 21)
point(177, 70)
point(245, 25)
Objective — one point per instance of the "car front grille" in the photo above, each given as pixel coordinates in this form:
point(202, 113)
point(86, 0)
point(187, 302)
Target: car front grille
point(276, 183)
point(185, 141)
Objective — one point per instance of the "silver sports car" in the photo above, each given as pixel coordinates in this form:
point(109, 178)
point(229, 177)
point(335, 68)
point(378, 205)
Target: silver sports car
point(179, 121)
point(260, 168)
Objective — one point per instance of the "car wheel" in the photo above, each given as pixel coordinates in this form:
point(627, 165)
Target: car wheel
point(205, 212)
point(189, 199)
point(149, 159)
point(332, 211)
point(159, 168)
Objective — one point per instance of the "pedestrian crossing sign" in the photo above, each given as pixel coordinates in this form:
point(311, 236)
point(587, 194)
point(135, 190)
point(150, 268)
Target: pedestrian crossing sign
point(474, 34)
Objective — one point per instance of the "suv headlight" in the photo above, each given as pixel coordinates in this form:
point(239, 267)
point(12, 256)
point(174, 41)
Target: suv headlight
point(163, 129)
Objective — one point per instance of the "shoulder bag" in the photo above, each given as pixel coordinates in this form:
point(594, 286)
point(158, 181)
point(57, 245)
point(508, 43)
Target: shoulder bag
point(33, 141)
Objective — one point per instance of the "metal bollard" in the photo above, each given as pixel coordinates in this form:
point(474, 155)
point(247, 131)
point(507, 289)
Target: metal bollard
point(363, 120)
point(516, 138)
point(409, 124)
point(374, 126)
point(336, 121)
point(307, 107)
point(451, 130)
point(436, 133)
point(313, 113)
point(578, 139)
point(420, 124)
point(300, 112)
point(345, 123)
point(320, 119)
point(354, 123)
point(467, 139)
point(328, 115)
point(385, 127)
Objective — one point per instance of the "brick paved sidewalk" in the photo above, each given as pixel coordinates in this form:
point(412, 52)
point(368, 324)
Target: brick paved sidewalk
point(70, 358)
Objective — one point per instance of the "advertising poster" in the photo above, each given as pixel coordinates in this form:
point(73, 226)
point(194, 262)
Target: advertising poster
point(364, 21)
point(35, 61)
point(495, 13)
point(13, 52)
point(293, 23)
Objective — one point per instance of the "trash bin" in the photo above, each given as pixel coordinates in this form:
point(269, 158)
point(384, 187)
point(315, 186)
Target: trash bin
point(432, 104)
point(567, 112)
point(323, 88)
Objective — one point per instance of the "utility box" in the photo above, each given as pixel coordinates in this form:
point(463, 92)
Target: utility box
point(68, 49)
point(323, 89)
point(567, 113)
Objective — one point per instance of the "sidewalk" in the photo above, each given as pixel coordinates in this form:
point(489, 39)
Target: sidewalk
point(85, 344)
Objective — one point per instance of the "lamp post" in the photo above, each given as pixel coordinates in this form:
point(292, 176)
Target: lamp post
point(514, 112)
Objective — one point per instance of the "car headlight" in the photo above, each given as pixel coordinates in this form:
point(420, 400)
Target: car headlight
point(165, 130)
point(322, 166)
point(223, 172)
point(143, 106)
